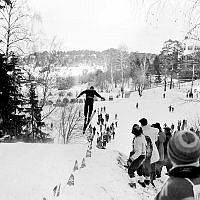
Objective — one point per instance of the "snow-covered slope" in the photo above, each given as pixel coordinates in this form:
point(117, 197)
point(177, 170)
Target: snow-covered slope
point(32, 171)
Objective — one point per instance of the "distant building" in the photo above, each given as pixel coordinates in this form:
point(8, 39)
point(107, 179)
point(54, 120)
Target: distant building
point(190, 46)
point(189, 64)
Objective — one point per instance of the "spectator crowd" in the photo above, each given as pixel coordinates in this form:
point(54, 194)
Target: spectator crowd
point(178, 149)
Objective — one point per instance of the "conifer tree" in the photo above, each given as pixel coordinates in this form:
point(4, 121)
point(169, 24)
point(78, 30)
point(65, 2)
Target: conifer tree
point(34, 120)
point(11, 104)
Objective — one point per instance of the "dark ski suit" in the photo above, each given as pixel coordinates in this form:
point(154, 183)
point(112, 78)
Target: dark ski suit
point(89, 101)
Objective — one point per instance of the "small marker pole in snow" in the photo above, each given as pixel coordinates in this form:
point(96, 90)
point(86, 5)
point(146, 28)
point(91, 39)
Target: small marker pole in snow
point(71, 180)
point(56, 191)
point(75, 166)
point(83, 163)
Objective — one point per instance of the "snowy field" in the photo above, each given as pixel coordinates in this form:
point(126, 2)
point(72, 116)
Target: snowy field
point(32, 171)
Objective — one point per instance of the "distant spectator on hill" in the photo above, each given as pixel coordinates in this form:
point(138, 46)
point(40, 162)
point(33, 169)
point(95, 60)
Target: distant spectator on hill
point(122, 91)
point(94, 130)
point(51, 125)
point(107, 117)
point(172, 127)
point(163, 95)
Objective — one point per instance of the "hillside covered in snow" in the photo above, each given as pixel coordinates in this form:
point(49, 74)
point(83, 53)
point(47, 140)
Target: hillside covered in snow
point(42, 171)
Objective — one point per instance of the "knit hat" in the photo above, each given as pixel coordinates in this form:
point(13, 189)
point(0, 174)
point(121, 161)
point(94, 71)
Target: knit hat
point(184, 148)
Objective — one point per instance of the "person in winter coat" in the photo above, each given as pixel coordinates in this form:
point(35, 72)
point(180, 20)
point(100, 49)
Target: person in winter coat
point(94, 130)
point(137, 156)
point(160, 146)
point(166, 161)
point(107, 117)
point(184, 177)
point(153, 134)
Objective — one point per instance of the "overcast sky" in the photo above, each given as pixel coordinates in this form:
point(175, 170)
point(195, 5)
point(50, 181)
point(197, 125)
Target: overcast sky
point(103, 24)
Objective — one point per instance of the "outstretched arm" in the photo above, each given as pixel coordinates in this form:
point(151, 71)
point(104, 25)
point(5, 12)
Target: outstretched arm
point(98, 95)
point(80, 94)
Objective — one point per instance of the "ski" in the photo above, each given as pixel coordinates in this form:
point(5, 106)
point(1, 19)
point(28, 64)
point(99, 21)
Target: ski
point(85, 126)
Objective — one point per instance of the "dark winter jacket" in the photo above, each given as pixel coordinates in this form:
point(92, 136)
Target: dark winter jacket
point(177, 187)
point(90, 95)
point(168, 136)
point(160, 144)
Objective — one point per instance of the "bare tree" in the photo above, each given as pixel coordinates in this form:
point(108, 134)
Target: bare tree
point(14, 27)
point(184, 11)
point(139, 68)
point(141, 75)
point(70, 116)
point(171, 52)
point(8, 2)
point(46, 61)
point(122, 62)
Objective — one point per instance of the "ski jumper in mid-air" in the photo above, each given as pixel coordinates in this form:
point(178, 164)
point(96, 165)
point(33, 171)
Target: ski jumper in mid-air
point(89, 101)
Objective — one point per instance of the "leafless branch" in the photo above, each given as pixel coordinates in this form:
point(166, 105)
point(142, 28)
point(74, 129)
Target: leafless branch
point(48, 114)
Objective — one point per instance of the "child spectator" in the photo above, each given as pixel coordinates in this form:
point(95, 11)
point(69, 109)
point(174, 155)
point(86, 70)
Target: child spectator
point(137, 156)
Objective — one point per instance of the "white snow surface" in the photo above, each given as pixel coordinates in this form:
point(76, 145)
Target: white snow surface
point(31, 171)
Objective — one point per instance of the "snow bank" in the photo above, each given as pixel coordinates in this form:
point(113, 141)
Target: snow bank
point(31, 171)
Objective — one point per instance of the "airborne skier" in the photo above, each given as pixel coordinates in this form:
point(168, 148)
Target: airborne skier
point(89, 101)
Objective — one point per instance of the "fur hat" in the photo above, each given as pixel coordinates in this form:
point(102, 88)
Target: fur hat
point(184, 148)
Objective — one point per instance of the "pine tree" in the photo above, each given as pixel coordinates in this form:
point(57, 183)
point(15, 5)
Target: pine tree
point(34, 120)
point(11, 104)
point(4, 94)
